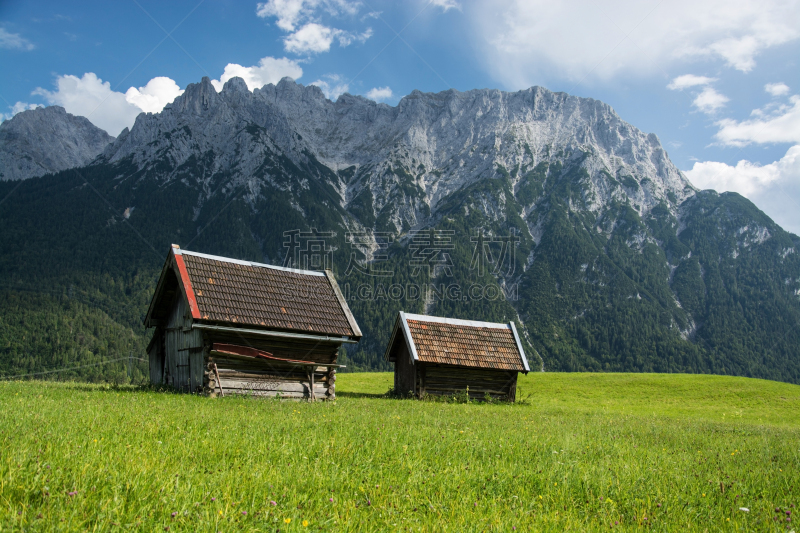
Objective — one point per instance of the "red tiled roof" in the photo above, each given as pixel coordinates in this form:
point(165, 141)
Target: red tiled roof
point(219, 289)
point(263, 296)
point(464, 343)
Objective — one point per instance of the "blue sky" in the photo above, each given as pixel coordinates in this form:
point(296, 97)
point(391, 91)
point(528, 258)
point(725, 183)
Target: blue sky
point(718, 82)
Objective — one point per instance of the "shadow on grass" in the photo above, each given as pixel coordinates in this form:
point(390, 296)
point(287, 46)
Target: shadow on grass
point(89, 387)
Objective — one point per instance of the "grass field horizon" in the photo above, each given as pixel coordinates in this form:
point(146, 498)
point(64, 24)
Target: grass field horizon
point(662, 452)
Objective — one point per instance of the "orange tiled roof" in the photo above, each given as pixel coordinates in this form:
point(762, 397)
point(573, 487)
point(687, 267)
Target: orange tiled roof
point(465, 343)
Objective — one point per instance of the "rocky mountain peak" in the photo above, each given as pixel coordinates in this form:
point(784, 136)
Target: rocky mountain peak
point(45, 140)
point(405, 160)
point(197, 98)
point(235, 84)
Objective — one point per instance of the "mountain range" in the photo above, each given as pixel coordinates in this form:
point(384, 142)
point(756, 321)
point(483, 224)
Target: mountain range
point(533, 206)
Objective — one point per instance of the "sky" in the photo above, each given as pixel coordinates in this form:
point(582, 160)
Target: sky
point(717, 81)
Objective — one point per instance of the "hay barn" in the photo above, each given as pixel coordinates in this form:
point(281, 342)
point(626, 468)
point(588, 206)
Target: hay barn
point(224, 326)
point(445, 356)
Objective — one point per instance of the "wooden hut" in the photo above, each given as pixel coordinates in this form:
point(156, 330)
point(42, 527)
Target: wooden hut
point(228, 326)
point(445, 356)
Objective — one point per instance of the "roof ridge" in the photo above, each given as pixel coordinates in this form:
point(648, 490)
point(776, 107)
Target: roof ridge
point(251, 263)
point(457, 321)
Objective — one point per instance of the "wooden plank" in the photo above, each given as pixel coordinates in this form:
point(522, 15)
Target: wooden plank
point(478, 392)
point(219, 381)
point(271, 386)
point(196, 370)
point(273, 334)
point(235, 374)
point(273, 394)
point(267, 360)
point(298, 351)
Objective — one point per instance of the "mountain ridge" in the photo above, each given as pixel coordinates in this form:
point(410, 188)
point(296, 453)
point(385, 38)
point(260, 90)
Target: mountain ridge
point(617, 262)
point(44, 140)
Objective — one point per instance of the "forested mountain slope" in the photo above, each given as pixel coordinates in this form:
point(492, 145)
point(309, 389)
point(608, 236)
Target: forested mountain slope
point(534, 206)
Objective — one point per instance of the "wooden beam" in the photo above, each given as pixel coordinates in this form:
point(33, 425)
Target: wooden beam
point(275, 362)
point(343, 303)
point(219, 381)
point(276, 334)
point(519, 347)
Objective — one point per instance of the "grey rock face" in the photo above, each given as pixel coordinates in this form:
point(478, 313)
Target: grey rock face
point(430, 144)
point(450, 139)
point(45, 140)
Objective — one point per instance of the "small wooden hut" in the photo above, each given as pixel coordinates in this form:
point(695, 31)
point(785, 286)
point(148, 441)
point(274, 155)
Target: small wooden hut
point(227, 326)
point(445, 356)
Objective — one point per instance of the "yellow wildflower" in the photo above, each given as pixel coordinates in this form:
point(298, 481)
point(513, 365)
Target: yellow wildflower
point(305, 523)
point(287, 520)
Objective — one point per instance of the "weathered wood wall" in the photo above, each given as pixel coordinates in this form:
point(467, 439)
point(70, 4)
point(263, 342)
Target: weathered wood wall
point(302, 350)
point(261, 377)
point(182, 359)
point(448, 380)
point(183, 348)
point(246, 375)
point(404, 370)
point(155, 356)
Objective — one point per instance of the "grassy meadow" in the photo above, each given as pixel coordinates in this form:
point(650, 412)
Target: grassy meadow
point(584, 452)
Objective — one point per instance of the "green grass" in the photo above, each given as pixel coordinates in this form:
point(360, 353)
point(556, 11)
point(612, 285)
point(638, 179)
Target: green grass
point(583, 451)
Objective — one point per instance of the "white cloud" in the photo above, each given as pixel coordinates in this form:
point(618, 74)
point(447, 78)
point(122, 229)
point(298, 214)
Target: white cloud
point(446, 5)
point(746, 178)
point(306, 33)
point(92, 98)
point(740, 53)
point(311, 38)
point(710, 101)
point(346, 38)
point(110, 110)
point(288, 12)
point(777, 89)
point(155, 95)
point(292, 13)
point(689, 80)
point(113, 111)
point(268, 70)
point(775, 187)
point(379, 93)
point(333, 87)
point(19, 107)
point(780, 126)
point(316, 38)
point(525, 41)
point(14, 41)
